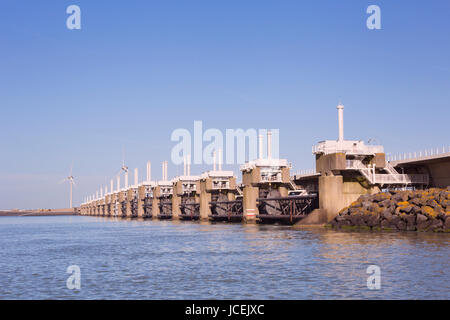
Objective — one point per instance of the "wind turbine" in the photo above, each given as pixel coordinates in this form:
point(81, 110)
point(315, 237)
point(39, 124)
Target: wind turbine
point(124, 168)
point(71, 180)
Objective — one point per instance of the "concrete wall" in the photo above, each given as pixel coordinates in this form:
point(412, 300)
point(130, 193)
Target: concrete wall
point(336, 193)
point(440, 174)
point(327, 163)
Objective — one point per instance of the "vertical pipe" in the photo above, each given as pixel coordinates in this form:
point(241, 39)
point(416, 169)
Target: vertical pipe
point(260, 146)
point(189, 165)
point(220, 159)
point(165, 170)
point(126, 179)
point(112, 186)
point(214, 160)
point(340, 108)
point(149, 171)
point(163, 164)
point(118, 183)
point(269, 144)
point(136, 177)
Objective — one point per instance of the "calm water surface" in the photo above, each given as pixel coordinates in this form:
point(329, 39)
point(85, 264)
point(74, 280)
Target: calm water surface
point(122, 259)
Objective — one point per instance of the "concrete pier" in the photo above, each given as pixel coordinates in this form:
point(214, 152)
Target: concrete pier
point(186, 197)
point(263, 178)
point(215, 186)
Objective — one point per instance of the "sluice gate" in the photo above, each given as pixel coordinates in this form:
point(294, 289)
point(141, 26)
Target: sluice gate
point(289, 209)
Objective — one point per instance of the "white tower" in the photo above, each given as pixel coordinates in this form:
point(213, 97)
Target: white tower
point(149, 171)
point(340, 108)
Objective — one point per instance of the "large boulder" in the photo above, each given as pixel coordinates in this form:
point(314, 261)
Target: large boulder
point(422, 210)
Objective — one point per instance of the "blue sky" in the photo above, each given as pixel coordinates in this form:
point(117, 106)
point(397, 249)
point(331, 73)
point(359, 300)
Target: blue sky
point(137, 70)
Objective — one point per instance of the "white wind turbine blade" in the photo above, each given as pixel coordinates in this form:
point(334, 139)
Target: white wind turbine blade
point(63, 180)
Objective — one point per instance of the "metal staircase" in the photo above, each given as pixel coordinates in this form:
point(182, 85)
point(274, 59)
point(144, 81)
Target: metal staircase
point(391, 177)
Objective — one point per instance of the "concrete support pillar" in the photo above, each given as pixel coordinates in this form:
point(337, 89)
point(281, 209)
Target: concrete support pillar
point(176, 201)
point(330, 196)
point(114, 199)
point(250, 207)
point(205, 209)
point(108, 205)
point(335, 193)
point(140, 203)
point(128, 200)
point(121, 212)
point(155, 202)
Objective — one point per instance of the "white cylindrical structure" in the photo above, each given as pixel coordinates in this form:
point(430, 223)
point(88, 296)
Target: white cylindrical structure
point(164, 170)
point(126, 179)
point(96, 194)
point(101, 192)
point(112, 186)
point(136, 177)
point(269, 144)
point(189, 165)
point(220, 159)
point(118, 183)
point(167, 169)
point(106, 190)
point(214, 160)
point(149, 171)
point(340, 108)
point(260, 146)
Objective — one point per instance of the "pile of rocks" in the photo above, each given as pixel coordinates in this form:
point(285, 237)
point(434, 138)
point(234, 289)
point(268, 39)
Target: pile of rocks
point(419, 210)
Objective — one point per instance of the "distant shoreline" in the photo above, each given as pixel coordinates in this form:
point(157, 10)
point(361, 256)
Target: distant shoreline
point(35, 213)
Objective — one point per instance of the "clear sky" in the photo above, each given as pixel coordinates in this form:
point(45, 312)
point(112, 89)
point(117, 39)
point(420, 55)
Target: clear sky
point(137, 70)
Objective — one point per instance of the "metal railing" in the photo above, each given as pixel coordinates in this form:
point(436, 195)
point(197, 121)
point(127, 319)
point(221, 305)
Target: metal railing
point(417, 155)
point(390, 178)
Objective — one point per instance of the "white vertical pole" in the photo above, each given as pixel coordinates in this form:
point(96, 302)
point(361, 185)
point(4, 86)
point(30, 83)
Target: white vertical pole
point(340, 108)
point(189, 165)
point(136, 177)
point(126, 179)
point(220, 159)
point(118, 183)
point(260, 147)
point(214, 160)
point(269, 144)
point(149, 171)
point(164, 170)
point(112, 185)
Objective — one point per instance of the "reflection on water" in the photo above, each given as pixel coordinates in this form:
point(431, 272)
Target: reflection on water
point(129, 259)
